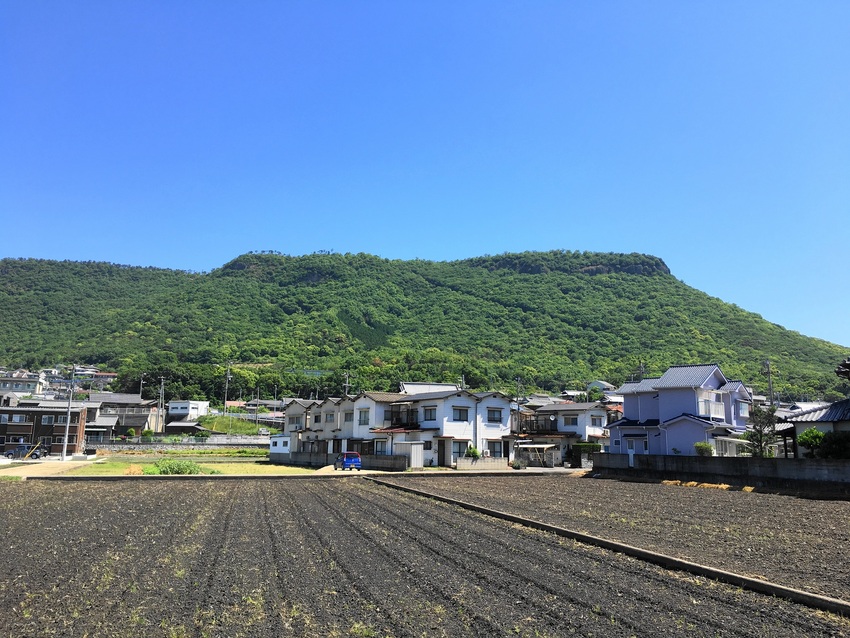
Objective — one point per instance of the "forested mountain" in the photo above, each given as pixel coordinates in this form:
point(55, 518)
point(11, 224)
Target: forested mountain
point(555, 320)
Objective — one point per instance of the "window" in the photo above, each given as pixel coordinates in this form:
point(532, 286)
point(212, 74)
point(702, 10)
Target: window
point(349, 417)
point(274, 443)
point(617, 443)
point(329, 417)
point(460, 414)
point(495, 448)
point(294, 420)
point(429, 413)
point(494, 415)
point(2, 440)
point(571, 421)
point(380, 446)
point(426, 445)
point(363, 417)
point(47, 419)
point(630, 444)
point(459, 448)
point(71, 439)
point(19, 418)
point(4, 418)
point(62, 419)
point(743, 409)
point(596, 421)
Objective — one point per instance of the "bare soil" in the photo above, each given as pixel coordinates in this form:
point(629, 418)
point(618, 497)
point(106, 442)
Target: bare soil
point(337, 557)
point(797, 542)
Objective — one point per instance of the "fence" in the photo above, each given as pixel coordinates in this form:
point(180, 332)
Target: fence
point(815, 474)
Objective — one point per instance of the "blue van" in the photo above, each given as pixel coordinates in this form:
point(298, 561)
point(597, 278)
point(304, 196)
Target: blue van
point(348, 461)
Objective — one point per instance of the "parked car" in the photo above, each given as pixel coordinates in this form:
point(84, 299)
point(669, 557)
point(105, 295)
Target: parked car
point(348, 461)
point(22, 450)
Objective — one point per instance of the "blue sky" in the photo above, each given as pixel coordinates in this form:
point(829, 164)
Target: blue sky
point(180, 134)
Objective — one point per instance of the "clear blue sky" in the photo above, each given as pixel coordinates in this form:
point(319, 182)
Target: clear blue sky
point(180, 134)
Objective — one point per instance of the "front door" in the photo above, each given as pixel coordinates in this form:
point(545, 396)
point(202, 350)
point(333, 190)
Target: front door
point(441, 452)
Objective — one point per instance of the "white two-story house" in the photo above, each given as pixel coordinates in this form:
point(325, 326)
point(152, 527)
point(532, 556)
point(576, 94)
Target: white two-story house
point(562, 424)
point(686, 405)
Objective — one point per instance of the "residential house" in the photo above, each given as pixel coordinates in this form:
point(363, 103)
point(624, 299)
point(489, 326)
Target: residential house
point(562, 424)
point(447, 422)
point(435, 423)
point(187, 410)
point(45, 422)
point(686, 405)
point(23, 382)
point(132, 411)
point(832, 417)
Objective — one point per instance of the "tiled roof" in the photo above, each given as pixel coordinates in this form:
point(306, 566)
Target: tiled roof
point(635, 387)
point(838, 411)
point(633, 423)
point(688, 376)
point(570, 407)
point(429, 396)
point(120, 398)
point(386, 397)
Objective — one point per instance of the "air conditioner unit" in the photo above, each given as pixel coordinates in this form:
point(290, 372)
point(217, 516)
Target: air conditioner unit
point(486, 453)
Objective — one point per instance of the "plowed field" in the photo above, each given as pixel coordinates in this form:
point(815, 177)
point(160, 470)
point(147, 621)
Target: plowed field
point(796, 542)
point(338, 557)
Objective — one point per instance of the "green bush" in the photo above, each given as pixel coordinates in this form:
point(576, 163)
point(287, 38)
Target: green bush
point(704, 448)
point(835, 445)
point(131, 431)
point(174, 466)
point(811, 438)
point(472, 452)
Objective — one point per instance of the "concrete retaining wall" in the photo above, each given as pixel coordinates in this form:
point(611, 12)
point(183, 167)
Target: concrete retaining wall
point(369, 461)
point(815, 474)
point(489, 463)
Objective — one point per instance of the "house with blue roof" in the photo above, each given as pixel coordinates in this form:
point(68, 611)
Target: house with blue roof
point(686, 405)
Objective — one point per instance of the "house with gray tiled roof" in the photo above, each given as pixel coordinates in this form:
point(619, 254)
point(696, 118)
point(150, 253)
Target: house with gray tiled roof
point(686, 405)
point(831, 417)
point(440, 421)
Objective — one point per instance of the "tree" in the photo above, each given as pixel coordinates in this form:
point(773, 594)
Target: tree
point(762, 431)
point(811, 439)
point(835, 445)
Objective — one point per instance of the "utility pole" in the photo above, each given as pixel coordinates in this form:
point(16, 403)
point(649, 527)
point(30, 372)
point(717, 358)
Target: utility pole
point(68, 415)
point(257, 410)
point(766, 370)
point(226, 383)
point(141, 384)
point(160, 419)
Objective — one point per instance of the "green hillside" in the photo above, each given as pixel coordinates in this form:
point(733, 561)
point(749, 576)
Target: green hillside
point(555, 320)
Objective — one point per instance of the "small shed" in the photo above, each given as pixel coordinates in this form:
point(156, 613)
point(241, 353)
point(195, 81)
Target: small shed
point(413, 450)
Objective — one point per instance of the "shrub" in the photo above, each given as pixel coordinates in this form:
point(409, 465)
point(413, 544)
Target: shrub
point(472, 452)
point(704, 448)
point(835, 445)
point(174, 466)
point(131, 431)
point(811, 438)
point(578, 449)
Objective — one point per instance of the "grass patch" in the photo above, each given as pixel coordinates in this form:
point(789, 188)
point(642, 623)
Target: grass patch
point(9, 478)
point(136, 467)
